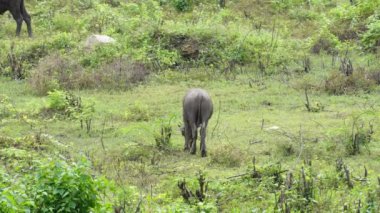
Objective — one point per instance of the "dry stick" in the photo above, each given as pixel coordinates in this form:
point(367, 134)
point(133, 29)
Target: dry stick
point(217, 120)
point(101, 138)
point(307, 101)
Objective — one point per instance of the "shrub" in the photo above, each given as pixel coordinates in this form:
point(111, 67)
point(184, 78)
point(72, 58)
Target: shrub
point(371, 38)
point(138, 112)
point(324, 41)
point(121, 72)
point(61, 187)
point(227, 155)
point(339, 84)
point(57, 100)
point(359, 137)
point(54, 72)
point(182, 5)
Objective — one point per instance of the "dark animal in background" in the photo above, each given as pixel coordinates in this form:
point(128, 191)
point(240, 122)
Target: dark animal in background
point(197, 110)
point(18, 11)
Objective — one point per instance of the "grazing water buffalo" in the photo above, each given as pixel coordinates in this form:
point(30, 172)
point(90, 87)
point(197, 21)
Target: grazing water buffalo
point(197, 110)
point(18, 11)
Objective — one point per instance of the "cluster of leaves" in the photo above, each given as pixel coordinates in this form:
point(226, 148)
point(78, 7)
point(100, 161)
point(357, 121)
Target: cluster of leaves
point(54, 186)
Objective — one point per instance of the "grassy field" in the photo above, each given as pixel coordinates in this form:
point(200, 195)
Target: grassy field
point(294, 128)
point(261, 118)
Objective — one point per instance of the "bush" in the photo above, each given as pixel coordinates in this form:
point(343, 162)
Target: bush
point(371, 38)
point(57, 100)
point(324, 41)
point(138, 112)
point(339, 84)
point(227, 155)
point(60, 187)
point(54, 72)
point(182, 5)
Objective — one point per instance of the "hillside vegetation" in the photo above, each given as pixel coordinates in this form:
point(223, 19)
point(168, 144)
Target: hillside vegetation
point(96, 128)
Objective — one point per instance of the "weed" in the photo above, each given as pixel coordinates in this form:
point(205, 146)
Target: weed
point(227, 155)
point(138, 112)
point(162, 137)
point(340, 84)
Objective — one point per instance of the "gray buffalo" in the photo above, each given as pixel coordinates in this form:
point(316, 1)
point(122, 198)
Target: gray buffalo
point(197, 110)
point(18, 11)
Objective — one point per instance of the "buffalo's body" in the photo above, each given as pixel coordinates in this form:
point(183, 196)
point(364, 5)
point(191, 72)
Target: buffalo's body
point(197, 110)
point(19, 13)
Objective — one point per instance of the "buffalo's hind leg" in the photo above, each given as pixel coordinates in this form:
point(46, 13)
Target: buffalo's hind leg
point(187, 136)
point(203, 140)
point(28, 21)
point(18, 18)
point(193, 144)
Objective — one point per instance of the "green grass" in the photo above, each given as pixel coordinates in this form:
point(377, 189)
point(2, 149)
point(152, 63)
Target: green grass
point(256, 115)
point(236, 124)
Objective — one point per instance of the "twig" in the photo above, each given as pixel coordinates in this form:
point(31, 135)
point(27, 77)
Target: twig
point(102, 135)
point(217, 120)
point(255, 142)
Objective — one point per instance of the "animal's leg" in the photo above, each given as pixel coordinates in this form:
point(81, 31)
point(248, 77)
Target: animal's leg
point(188, 137)
point(18, 18)
point(194, 138)
point(27, 20)
point(203, 140)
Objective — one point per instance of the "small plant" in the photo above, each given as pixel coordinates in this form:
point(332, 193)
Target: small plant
point(57, 100)
point(360, 136)
point(6, 108)
point(162, 137)
point(138, 112)
point(198, 200)
point(182, 5)
point(227, 155)
point(316, 107)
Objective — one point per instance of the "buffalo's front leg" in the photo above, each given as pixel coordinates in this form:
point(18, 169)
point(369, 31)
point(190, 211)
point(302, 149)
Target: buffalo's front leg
point(203, 140)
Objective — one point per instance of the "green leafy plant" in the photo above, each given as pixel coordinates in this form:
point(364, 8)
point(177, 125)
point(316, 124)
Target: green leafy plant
point(61, 187)
point(57, 100)
point(162, 137)
point(182, 5)
point(138, 112)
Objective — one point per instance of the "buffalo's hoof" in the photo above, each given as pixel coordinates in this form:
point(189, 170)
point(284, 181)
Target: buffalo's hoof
point(204, 154)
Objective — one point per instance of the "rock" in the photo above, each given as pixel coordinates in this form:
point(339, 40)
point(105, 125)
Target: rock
point(94, 40)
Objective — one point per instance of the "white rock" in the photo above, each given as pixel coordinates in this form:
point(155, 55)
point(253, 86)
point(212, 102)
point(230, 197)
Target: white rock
point(272, 128)
point(98, 39)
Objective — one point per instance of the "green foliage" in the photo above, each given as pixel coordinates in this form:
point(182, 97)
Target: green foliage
point(57, 100)
point(227, 155)
point(371, 38)
point(138, 112)
point(182, 5)
point(61, 187)
point(324, 41)
point(162, 137)
point(101, 54)
point(360, 136)
point(6, 108)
